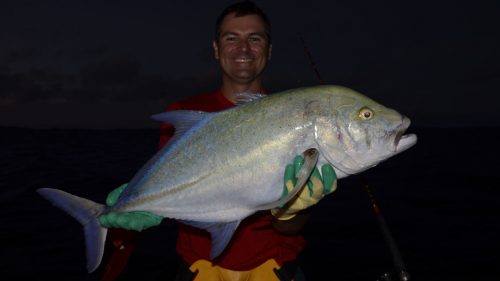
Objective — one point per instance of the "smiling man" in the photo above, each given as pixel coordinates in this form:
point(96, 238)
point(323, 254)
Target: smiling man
point(243, 46)
point(266, 245)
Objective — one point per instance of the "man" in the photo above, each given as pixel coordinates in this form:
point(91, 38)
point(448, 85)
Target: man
point(266, 245)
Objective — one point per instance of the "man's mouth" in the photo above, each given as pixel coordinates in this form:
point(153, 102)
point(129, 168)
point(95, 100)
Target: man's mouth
point(243, 60)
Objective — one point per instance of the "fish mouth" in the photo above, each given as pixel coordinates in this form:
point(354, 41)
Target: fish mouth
point(401, 141)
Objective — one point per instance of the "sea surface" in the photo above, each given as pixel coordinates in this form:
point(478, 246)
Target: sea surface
point(440, 200)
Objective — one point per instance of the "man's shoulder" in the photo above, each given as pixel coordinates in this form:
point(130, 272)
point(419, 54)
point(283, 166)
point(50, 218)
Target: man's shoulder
point(209, 101)
point(200, 98)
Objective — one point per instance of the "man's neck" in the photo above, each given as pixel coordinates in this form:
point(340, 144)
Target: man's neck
point(231, 90)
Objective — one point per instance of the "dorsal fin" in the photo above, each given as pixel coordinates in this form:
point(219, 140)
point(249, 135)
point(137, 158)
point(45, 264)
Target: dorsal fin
point(182, 120)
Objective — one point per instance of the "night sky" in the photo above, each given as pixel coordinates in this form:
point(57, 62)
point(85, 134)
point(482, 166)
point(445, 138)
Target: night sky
point(112, 64)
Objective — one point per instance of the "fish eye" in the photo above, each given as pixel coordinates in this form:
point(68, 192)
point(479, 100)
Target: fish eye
point(365, 113)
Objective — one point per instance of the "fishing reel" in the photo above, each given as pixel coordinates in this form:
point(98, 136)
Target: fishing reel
point(395, 276)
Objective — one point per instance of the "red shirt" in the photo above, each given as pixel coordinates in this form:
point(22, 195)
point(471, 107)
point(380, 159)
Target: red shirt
point(255, 241)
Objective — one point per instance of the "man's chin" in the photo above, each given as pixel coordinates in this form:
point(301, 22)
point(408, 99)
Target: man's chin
point(244, 76)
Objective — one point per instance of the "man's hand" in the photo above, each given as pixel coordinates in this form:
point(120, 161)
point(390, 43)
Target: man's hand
point(318, 185)
point(135, 220)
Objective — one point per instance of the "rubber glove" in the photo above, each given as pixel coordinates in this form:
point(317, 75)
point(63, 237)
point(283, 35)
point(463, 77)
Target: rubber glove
point(318, 185)
point(135, 220)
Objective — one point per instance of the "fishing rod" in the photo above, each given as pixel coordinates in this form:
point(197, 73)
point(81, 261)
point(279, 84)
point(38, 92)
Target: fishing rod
point(309, 57)
point(400, 268)
point(397, 259)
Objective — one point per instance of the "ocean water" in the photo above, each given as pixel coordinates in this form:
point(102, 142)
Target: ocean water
point(440, 199)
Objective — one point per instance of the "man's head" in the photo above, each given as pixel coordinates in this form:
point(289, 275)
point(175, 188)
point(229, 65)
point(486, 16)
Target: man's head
point(243, 9)
point(242, 43)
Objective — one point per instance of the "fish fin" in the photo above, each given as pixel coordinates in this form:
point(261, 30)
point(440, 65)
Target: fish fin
point(243, 98)
point(310, 159)
point(86, 213)
point(221, 234)
point(182, 120)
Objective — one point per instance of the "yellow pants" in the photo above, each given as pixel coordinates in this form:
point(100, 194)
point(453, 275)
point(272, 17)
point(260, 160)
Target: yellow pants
point(209, 272)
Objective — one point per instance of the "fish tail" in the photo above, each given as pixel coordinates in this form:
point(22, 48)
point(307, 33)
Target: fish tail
point(87, 213)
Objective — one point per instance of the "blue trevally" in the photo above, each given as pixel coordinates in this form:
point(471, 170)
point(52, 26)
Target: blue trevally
point(221, 167)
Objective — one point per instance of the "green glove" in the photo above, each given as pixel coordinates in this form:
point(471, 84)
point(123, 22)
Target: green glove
point(135, 220)
point(318, 185)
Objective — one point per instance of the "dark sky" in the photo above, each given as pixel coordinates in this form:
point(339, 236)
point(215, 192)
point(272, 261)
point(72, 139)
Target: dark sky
point(112, 64)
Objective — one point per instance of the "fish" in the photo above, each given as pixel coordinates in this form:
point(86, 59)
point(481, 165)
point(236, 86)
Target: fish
point(222, 167)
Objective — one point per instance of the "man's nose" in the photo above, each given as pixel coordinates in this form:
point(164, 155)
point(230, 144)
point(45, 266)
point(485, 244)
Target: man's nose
point(244, 45)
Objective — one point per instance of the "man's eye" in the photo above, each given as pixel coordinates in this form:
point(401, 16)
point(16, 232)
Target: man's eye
point(255, 39)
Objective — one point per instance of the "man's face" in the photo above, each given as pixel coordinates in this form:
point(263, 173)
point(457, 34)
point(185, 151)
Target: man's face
point(242, 47)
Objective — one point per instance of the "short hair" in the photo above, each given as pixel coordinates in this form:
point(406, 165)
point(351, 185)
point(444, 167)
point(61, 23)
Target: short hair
point(240, 9)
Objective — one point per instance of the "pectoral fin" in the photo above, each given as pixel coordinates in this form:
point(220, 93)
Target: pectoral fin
point(310, 159)
point(221, 234)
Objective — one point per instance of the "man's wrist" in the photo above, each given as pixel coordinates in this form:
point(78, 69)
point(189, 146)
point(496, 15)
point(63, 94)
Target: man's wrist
point(282, 215)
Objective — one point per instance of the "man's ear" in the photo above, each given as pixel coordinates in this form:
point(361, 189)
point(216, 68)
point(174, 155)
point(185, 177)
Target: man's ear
point(270, 51)
point(216, 49)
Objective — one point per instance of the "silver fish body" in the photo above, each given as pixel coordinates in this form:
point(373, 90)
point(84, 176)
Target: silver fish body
point(222, 167)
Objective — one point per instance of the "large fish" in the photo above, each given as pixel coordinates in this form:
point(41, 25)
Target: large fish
point(221, 167)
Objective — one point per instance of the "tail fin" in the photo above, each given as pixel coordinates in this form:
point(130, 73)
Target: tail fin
point(87, 213)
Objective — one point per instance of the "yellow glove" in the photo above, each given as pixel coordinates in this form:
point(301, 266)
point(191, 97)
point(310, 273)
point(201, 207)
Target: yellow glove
point(318, 185)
